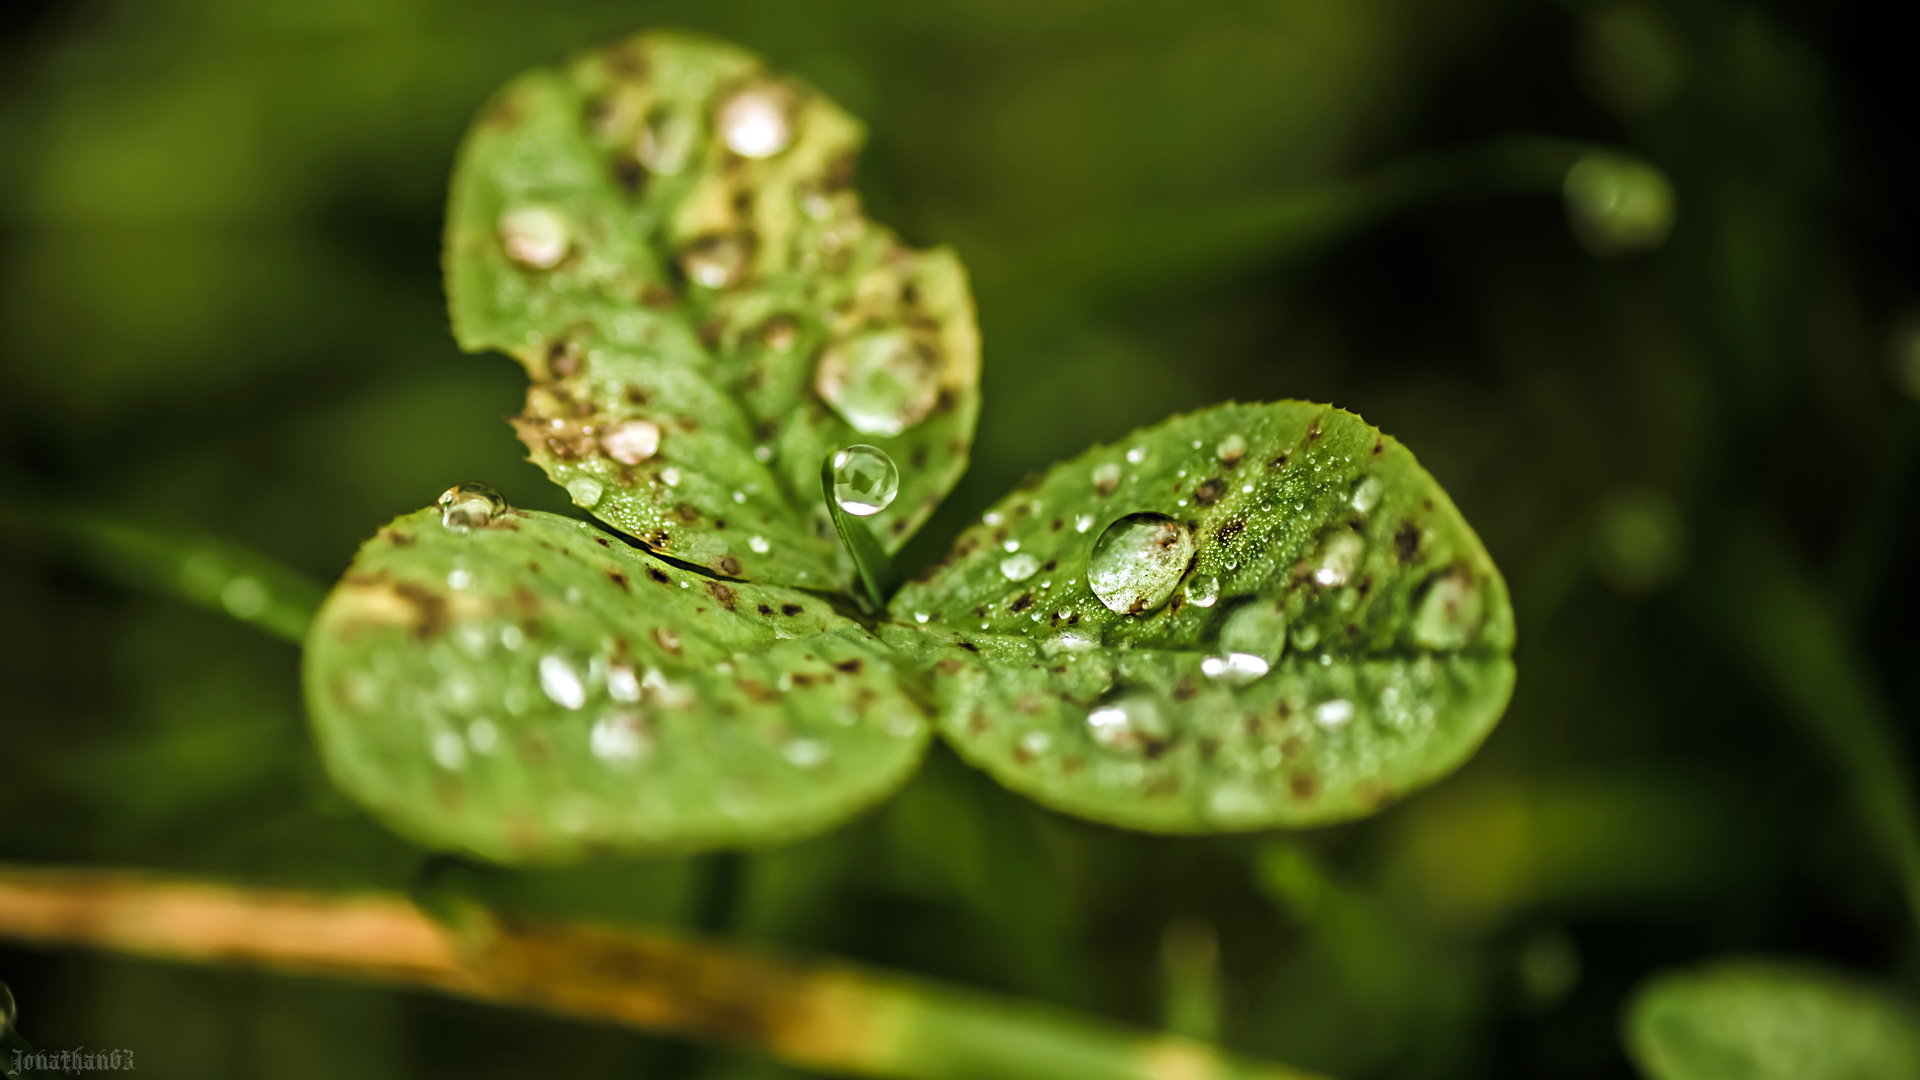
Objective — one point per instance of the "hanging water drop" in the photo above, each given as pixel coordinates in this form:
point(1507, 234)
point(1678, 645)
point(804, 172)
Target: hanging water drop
point(755, 121)
point(1138, 561)
point(535, 236)
point(585, 491)
point(881, 381)
point(864, 480)
point(1019, 567)
point(631, 442)
point(667, 140)
point(470, 506)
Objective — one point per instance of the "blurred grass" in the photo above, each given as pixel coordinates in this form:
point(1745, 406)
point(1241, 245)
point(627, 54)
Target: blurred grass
point(219, 289)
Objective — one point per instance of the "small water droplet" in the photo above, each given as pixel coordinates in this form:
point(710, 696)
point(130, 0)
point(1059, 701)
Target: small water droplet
point(670, 476)
point(1082, 523)
point(755, 121)
point(1203, 590)
point(882, 381)
point(758, 544)
point(1339, 558)
point(459, 579)
point(1138, 561)
point(1331, 714)
point(763, 454)
point(920, 616)
point(1304, 637)
point(561, 682)
point(620, 738)
point(864, 480)
point(631, 442)
point(1230, 451)
point(449, 750)
point(1011, 545)
point(1137, 455)
point(1450, 613)
point(535, 236)
point(739, 496)
point(667, 140)
point(515, 699)
point(1035, 742)
point(1366, 493)
point(806, 753)
point(1257, 629)
point(1106, 477)
point(483, 736)
point(1019, 567)
point(992, 517)
point(1235, 669)
point(1130, 724)
point(470, 506)
point(585, 491)
point(511, 638)
point(716, 261)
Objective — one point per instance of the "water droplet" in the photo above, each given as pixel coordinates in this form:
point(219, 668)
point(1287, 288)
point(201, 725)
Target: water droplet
point(1137, 562)
point(620, 738)
point(622, 684)
point(631, 442)
point(1130, 724)
point(920, 617)
point(670, 476)
point(1305, 637)
point(585, 491)
point(1339, 558)
point(1366, 494)
point(1331, 714)
point(1617, 205)
point(763, 454)
point(535, 236)
point(1019, 567)
point(483, 736)
point(806, 753)
point(739, 496)
point(1137, 455)
point(1082, 523)
point(1106, 477)
point(459, 579)
point(667, 140)
point(758, 544)
point(470, 506)
point(717, 261)
point(244, 597)
point(511, 637)
point(1231, 450)
point(449, 750)
point(1011, 545)
point(1203, 590)
point(1449, 614)
point(992, 517)
point(1235, 669)
point(864, 480)
point(1256, 629)
point(561, 682)
point(515, 699)
point(881, 381)
point(754, 121)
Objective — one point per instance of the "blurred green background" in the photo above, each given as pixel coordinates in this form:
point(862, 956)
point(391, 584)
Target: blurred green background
point(220, 311)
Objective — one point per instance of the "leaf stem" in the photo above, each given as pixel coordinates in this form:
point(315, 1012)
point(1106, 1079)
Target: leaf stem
point(826, 1016)
point(877, 572)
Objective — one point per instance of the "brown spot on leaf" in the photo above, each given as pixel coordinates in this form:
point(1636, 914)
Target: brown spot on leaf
point(791, 610)
point(765, 610)
point(658, 575)
point(721, 593)
point(618, 578)
point(1303, 785)
point(948, 666)
point(1406, 541)
point(668, 639)
point(1228, 530)
point(851, 667)
point(1209, 492)
point(728, 565)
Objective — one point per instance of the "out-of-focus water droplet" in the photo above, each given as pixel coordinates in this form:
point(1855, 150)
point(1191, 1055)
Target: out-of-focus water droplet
point(535, 236)
point(1450, 613)
point(459, 578)
point(631, 442)
point(717, 261)
point(561, 683)
point(585, 491)
point(1634, 57)
point(620, 738)
point(1137, 455)
point(1082, 523)
point(920, 617)
point(511, 638)
point(1138, 561)
point(1339, 558)
point(1130, 724)
point(758, 544)
point(244, 597)
point(1231, 450)
point(483, 736)
point(763, 454)
point(1617, 205)
point(1019, 567)
point(470, 506)
point(864, 480)
point(622, 683)
point(1304, 637)
point(1332, 714)
point(881, 381)
point(1257, 629)
point(992, 517)
point(1639, 539)
point(780, 333)
point(1011, 545)
point(1366, 494)
point(668, 139)
point(756, 121)
point(1106, 477)
point(1203, 590)
point(1234, 669)
point(449, 750)
point(806, 753)
point(1035, 742)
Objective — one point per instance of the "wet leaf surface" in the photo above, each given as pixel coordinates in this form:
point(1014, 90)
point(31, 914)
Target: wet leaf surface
point(533, 690)
point(1754, 1020)
point(1293, 625)
point(664, 234)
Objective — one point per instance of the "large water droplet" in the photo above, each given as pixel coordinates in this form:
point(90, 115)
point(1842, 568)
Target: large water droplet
point(620, 738)
point(1617, 205)
point(717, 261)
point(470, 506)
point(1339, 558)
point(585, 491)
point(1449, 614)
point(667, 140)
point(864, 480)
point(631, 442)
point(561, 682)
point(882, 381)
point(1132, 724)
point(535, 236)
point(1137, 562)
point(755, 121)
point(1019, 567)
point(1256, 629)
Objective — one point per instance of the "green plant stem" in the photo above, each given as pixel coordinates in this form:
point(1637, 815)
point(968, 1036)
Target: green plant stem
point(877, 572)
point(825, 1016)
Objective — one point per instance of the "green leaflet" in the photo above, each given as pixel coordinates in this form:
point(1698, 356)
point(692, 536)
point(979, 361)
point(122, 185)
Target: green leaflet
point(1753, 1020)
point(1318, 631)
point(534, 691)
point(663, 233)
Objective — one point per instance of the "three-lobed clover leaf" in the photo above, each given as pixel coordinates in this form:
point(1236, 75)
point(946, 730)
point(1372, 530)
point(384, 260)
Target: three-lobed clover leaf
point(664, 234)
point(1250, 616)
point(526, 687)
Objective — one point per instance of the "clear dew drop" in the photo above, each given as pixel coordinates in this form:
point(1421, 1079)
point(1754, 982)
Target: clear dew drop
point(1366, 494)
point(470, 506)
point(561, 683)
point(1231, 450)
point(881, 381)
point(1130, 724)
point(1257, 629)
point(535, 236)
point(1332, 714)
point(920, 617)
point(1203, 590)
point(1011, 545)
point(668, 139)
point(864, 480)
point(758, 544)
point(756, 121)
point(620, 738)
point(1450, 613)
point(585, 491)
point(717, 262)
point(763, 453)
point(1138, 561)
point(631, 442)
point(1339, 558)
point(1019, 567)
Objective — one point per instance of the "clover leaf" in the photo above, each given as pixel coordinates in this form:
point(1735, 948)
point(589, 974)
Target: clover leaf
point(664, 234)
point(1253, 615)
point(525, 687)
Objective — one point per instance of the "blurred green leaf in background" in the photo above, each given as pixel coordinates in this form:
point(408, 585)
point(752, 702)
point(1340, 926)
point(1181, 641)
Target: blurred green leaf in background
point(1686, 435)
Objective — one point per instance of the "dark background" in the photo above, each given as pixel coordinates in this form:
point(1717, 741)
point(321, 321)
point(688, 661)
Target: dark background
point(220, 310)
